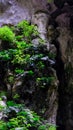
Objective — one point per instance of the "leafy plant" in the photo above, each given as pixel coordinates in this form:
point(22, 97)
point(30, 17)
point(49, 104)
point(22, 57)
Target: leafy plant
point(24, 57)
point(4, 55)
point(19, 71)
point(44, 81)
point(52, 127)
point(27, 30)
point(6, 34)
point(47, 127)
point(16, 96)
point(3, 125)
point(30, 72)
point(42, 127)
point(40, 65)
point(11, 103)
point(11, 79)
point(24, 118)
point(51, 55)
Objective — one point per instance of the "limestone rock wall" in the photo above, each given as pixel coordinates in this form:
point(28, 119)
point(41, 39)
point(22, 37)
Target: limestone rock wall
point(55, 26)
point(62, 20)
point(36, 12)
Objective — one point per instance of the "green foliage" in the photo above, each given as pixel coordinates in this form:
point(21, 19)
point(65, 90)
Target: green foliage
point(40, 65)
point(6, 34)
point(18, 122)
point(11, 103)
point(23, 119)
point(52, 55)
point(52, 127)
point(19, 71)
point(24, 57)
point(21, 45)
point(19, 38)
point(11, 79)
point(1, 107)
point(3, 125)
point(2, 93)
point(47, 127)
point(4, 55)
point(27, 30)
point(23, 52)
point(18, 53)
point(30, 72)
point(43, 81)
point(42, 127)
point(16, 96)
point(36, 57)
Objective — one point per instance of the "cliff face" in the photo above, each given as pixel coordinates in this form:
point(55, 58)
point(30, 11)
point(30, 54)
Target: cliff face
point(54, 22)
point(14, 11)
point(63, 17)
point(43, 101)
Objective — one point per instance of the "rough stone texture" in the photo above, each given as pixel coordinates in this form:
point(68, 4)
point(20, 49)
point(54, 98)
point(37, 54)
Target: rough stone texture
point(43, 100)
point(64, 43)
point(61, 19)
point(52, 98)
point(63, 40)
point(12, 12)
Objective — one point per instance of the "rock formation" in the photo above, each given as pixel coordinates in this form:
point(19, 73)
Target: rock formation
point(55, 25)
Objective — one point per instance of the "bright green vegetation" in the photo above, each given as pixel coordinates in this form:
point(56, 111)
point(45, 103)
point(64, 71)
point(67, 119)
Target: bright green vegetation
point(6, 34)
point(27, 30)
point(20, 56)
point(24, 56)
point(23, 119)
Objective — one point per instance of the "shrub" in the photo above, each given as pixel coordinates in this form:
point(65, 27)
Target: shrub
point(21, 117)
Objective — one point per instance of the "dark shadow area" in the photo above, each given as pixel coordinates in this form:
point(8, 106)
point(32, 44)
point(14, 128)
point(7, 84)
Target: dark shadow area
point(61, 101)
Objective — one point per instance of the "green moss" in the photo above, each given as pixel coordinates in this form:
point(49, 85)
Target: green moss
point(6, 34)
point(11, 79)
point(3, 125)
point(4, 55)
point(27, 30)
point(44, 81)
point(52, 127)
point(16, 96)
point(40, 65)
point(30, 72)
point(19, 71)
point(47, 127)
point(24, 57)
point(2, 93)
